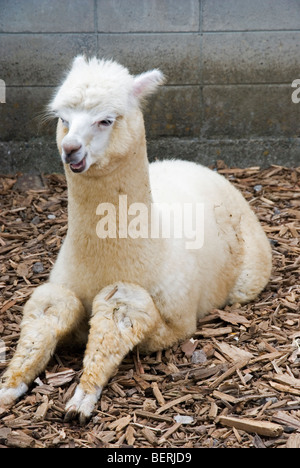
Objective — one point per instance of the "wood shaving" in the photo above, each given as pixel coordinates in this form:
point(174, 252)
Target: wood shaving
point(245, 394)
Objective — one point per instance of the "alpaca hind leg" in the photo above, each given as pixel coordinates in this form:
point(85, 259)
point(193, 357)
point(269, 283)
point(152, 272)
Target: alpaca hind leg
point(257, 264)
point(123, 316)
point(49, 315)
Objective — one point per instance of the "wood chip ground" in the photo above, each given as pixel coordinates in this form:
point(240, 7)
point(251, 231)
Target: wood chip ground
point(236, 383)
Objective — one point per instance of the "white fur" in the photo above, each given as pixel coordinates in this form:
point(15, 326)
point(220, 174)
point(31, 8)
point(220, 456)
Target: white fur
point(9, 395)
point(136, 291)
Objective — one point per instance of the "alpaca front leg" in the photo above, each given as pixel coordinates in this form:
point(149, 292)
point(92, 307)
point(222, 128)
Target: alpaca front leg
point(123, 316)
point(50, 314)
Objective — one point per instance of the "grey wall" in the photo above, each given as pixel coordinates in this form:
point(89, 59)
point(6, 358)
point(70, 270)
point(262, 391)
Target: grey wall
point(229, 67)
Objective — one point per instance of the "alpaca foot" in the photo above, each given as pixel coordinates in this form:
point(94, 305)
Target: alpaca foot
point(8, 395)
point(82, 405)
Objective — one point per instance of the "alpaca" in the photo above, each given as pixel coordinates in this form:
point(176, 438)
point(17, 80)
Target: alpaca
point(119, 291)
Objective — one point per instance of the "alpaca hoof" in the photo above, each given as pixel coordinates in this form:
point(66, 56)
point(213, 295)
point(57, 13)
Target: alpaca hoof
point(8, 395)
point(81, 405)
point(71, 414)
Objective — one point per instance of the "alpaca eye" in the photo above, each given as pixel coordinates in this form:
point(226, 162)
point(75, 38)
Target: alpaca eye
point(105, 123)
point(65, 122)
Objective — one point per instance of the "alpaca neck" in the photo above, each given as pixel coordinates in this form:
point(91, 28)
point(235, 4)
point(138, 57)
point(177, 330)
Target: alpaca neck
point(89, 261)
point(129, 179)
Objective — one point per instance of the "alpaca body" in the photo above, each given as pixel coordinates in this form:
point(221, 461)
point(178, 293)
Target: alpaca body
point(143, 290)
point(185, 284)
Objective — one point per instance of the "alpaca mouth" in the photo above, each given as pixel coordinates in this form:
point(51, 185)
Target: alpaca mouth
point(79, 167)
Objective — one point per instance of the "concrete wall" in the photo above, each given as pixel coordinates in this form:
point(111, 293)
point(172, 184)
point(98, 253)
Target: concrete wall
point(229, 64)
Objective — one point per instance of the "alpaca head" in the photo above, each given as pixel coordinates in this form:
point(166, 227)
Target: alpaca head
point(95, 104)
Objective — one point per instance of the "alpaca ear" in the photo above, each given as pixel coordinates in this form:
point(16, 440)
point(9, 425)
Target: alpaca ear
point(78, 61)
point(146, 83)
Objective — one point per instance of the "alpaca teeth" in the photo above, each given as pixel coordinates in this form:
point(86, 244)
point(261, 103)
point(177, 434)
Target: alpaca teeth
point(79, 166)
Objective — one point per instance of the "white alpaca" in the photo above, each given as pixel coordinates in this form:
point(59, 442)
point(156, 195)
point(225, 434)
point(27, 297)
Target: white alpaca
point(133, 290)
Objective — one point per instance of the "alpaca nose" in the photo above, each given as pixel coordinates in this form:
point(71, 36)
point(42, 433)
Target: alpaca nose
point(71, 148)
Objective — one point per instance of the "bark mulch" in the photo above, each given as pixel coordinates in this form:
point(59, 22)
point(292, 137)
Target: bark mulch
point(235, 383)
